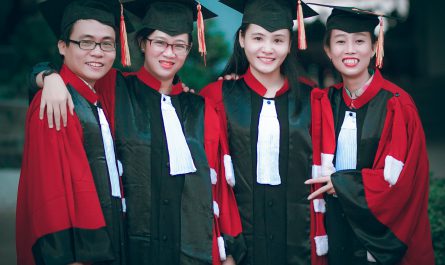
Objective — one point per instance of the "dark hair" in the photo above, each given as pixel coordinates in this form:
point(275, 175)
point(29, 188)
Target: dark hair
point(239, 64)
point(327, 37)
point(65, 35)
point(142, 34)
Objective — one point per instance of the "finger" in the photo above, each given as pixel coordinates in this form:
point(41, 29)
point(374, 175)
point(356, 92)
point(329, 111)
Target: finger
point(42, 109)
point(317, 180)
point(56, 114)
point(318, 192)
point(49, 115)
point(63, 113)
point(192, 91)
point(331, 190)
point(220, 78)
point(71, 104)
point(185, 88)
point(228, 77)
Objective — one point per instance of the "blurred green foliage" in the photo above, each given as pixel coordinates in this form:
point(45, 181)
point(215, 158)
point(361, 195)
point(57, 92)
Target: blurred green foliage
point(32, 41)
point(195, 73)
point(436, 213)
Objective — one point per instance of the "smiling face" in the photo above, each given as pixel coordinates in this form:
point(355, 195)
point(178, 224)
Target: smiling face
point(265, 51)
point(90, 65)
point(350, 53)
point(163, 64)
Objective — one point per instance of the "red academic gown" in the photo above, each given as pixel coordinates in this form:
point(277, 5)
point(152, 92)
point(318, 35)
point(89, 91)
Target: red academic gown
point(58, 209)
point(226, 216)
point(386, 202)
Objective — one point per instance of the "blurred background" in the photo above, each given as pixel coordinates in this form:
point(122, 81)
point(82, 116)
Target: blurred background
point(414, 60)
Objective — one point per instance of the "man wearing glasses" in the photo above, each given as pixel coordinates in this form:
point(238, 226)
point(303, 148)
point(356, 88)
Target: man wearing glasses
point(70, 202)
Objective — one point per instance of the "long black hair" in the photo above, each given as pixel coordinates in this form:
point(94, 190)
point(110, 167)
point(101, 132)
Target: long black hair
point(238, 63)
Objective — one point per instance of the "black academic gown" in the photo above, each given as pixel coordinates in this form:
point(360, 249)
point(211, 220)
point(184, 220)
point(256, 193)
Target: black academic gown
point(275, 219)
point(378, 209)
point(169, 217)
point(64, 179)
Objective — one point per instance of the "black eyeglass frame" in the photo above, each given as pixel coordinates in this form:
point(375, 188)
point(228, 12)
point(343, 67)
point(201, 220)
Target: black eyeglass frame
point(173, 45)
point(80, 42)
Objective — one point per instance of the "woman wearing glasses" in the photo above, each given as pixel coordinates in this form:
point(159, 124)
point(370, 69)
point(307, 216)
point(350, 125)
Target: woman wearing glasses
point(178, 202)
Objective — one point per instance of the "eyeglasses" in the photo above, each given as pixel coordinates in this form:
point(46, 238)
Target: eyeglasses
point(106, 46)
point(177, 48)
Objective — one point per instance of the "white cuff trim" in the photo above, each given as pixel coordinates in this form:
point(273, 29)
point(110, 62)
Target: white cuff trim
point(393, 168)
point(370, 257)
point(228, 167)
point(321, 244)
point(215, 209)
point(120, 168)
point(327, 167)
point(319, 205)
point(124, 205)
point(316, 171)
point(213, 176)
point(221, 248)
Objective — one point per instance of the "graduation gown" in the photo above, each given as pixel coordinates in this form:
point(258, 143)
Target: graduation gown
point(171, 219)
point(65, 211)
point(275, 219)
point(381, 209)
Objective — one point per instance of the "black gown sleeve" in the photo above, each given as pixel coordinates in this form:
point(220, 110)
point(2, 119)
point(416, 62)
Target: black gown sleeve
point(35, 70)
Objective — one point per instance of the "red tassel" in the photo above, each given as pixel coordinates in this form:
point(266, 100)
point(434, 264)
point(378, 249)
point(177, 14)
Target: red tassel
point(302, 45)
point(380, 51)
point(125, 50)
point(201, 33)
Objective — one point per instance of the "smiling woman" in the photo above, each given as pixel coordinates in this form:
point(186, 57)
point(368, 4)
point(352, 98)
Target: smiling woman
point(266, 116)
point(164, 54)
point(370, 152)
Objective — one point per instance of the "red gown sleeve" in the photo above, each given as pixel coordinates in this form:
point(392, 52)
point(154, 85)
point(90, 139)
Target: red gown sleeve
point(226, 213)
point(395, 188)
point(57, 193)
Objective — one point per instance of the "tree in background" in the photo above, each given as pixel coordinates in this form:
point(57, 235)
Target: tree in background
point(26, 40)
point(194, 73)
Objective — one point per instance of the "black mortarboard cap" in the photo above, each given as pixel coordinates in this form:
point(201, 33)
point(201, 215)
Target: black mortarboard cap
point(272, 15)
point(60, 14)
point(173, 17)
point(351, 19)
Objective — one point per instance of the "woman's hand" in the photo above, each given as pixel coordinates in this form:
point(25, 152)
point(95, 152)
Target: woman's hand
point(186, 89)
point(229, 261)
point(55, 98)
point(232, 76)
point(328, 188)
